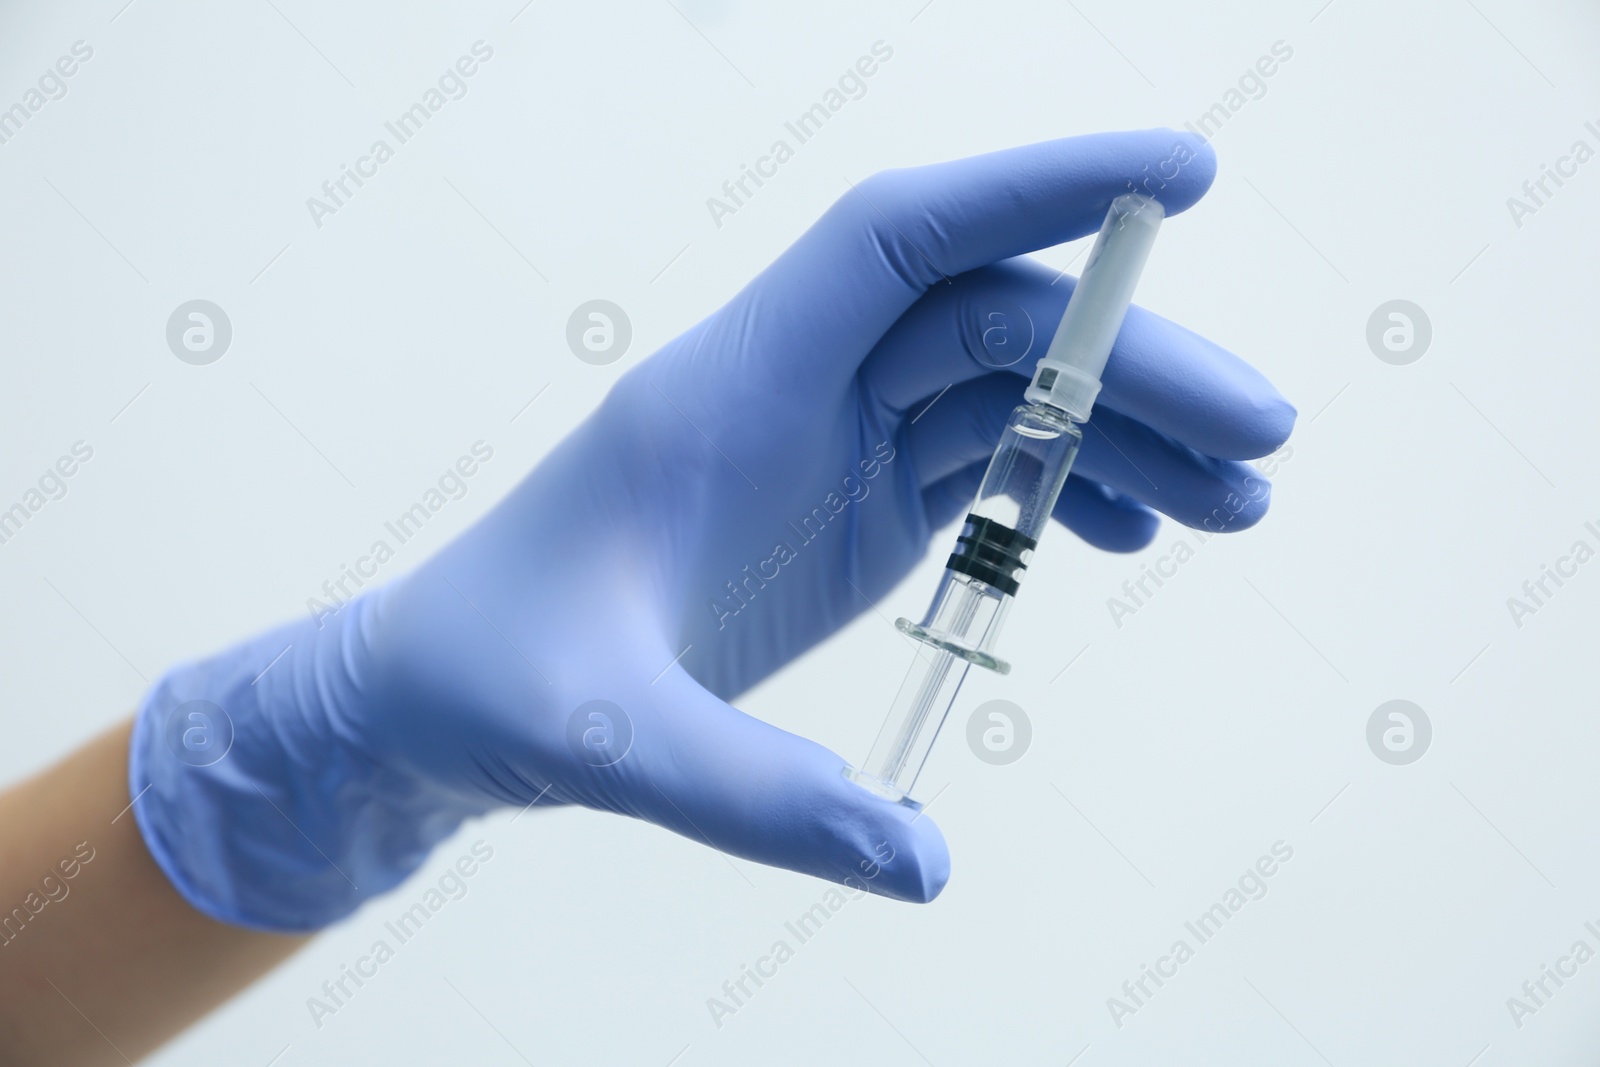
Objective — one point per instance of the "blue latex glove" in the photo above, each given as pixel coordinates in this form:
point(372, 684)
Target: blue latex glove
point(777, 436)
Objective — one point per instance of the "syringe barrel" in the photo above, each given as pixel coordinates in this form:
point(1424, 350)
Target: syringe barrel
point(1019, 490)
point(1003, 526)
point(1014, 502)
point(982, 575)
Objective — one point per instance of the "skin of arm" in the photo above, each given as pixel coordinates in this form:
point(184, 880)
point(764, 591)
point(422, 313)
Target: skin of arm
point(101, 961)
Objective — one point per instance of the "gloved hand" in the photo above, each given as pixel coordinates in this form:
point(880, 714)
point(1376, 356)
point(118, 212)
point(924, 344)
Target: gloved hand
point(743, 493)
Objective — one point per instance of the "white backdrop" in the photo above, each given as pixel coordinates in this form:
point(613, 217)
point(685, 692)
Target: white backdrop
point(1227, 714)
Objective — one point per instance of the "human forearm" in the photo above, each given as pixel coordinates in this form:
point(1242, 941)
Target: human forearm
point(104, 964)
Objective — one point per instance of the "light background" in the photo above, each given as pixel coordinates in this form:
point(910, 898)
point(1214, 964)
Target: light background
point(1227, 714)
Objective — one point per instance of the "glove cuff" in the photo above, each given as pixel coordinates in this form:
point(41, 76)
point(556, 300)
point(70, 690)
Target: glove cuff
point(254, 802)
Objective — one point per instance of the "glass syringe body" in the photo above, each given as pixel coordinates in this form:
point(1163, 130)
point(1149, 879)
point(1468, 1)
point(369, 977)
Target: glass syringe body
point(982, 575)
point(1014, 503)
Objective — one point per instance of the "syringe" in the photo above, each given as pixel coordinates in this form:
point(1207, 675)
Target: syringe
point(1014, 503)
